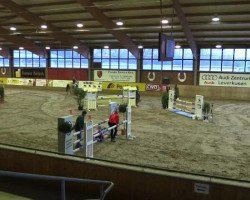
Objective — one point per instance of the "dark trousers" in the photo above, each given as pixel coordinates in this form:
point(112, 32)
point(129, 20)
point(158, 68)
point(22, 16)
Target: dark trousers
point(113, 131)
point(79, 137)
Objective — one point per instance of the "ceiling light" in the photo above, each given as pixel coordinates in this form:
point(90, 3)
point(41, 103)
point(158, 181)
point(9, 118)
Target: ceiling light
point(21, 48)
point(106, 47)
point(79, 25)
point(75, 47)
point(164, 21)
point(12, 28)
point(215, 19)
point(218, 46)
point(44, 26)
point(140, 47)
point(0, 48)
point(119, 23)
point(47, 47)
point(177, 46)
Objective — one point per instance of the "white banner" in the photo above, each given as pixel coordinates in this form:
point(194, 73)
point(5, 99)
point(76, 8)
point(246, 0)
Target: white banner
point(114, 75)
point(225, 80)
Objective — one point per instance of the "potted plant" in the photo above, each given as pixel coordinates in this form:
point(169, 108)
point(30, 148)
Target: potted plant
point(164, 99)
point(65, 127)
point(206, 110)
point(1, 94)
point(80, 95)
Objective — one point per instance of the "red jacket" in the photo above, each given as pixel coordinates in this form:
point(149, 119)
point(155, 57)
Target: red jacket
point(114, 118)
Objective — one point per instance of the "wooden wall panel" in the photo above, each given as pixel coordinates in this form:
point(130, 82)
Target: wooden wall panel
point(130, 182)
point(146, 76)
point(67, 74)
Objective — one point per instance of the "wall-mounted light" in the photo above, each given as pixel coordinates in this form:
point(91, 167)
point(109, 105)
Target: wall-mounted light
point(21, 48)
point(75, 47)
point(47, 48)
point(140, 47)
point(44, 26)
point(1, 49)
point(106, 47)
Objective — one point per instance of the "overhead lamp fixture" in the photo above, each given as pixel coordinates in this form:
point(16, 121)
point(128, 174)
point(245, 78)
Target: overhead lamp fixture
point(218, 46)
point(215, 19)
point(44, 26)
point(75, 47)
point(164, 21)
point(119, 23)
point(79, 25)
point(140, 47)
point(21, 48)
point(106, 47)
point(1, 49)
point(47, 48)
point(177, 46)
point(13, 28)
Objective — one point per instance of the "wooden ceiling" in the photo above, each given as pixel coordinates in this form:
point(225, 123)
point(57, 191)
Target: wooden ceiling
point(189, 23)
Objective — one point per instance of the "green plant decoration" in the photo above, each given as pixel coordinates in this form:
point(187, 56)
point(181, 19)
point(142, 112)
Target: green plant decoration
point(1, 93)
point(164, 100)
point(206, 107)
point(80, 95)
point(122, 108)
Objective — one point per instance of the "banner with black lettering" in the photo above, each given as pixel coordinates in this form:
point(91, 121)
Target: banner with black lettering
point(225, 80)
point(30, 73)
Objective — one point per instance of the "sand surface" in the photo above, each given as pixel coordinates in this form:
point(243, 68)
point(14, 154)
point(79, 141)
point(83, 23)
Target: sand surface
point(164, 140)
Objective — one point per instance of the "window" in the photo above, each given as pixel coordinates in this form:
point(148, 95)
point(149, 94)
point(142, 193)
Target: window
point(115, 58)
point(225, 60)
point(183, 60)
point(24, 58)
point(67, 59)
point(4, 62)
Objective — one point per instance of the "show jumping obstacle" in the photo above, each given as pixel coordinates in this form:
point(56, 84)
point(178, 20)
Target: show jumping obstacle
point(186, 108)
point(66, 142)
point(90, 101)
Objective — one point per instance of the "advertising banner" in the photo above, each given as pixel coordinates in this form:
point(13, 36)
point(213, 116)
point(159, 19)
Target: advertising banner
point(114, 75)
point(3, 80)
point(153, 87)
point(120, 85)
point(59, 83)
point(225, 80)
point(30, 73)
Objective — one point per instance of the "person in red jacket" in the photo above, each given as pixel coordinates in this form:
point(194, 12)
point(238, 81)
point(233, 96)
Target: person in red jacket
point(113, 120)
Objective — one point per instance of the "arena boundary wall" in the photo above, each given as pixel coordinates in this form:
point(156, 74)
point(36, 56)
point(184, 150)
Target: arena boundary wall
point(130, 182)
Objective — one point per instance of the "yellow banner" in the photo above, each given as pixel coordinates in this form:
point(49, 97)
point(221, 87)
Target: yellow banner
point(120, 85)
point(3, 80)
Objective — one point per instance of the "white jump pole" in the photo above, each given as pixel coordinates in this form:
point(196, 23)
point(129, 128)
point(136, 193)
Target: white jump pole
point(171, 101)
point(89, 133)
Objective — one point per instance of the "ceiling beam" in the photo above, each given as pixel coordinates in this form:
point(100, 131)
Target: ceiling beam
point(185, 27)
point(55, 32)
point(20, 41)
point(109, 25)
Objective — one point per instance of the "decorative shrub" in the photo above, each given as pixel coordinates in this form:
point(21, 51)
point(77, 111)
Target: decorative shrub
point(164, 100)
point(122, 108)
point(65, 127)
point(1, 93)
point(206, 107)
point(80, 95)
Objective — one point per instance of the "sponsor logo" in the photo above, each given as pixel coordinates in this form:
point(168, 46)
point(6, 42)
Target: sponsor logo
point(111, 85)
point(209, 77)
point(153, 87)
point(99, 73)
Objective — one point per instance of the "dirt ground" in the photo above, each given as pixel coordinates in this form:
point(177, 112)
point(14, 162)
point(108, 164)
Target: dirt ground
point(163, 140)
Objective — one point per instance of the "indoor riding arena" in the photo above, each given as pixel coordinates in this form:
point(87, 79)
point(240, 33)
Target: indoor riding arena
point(180, 69)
